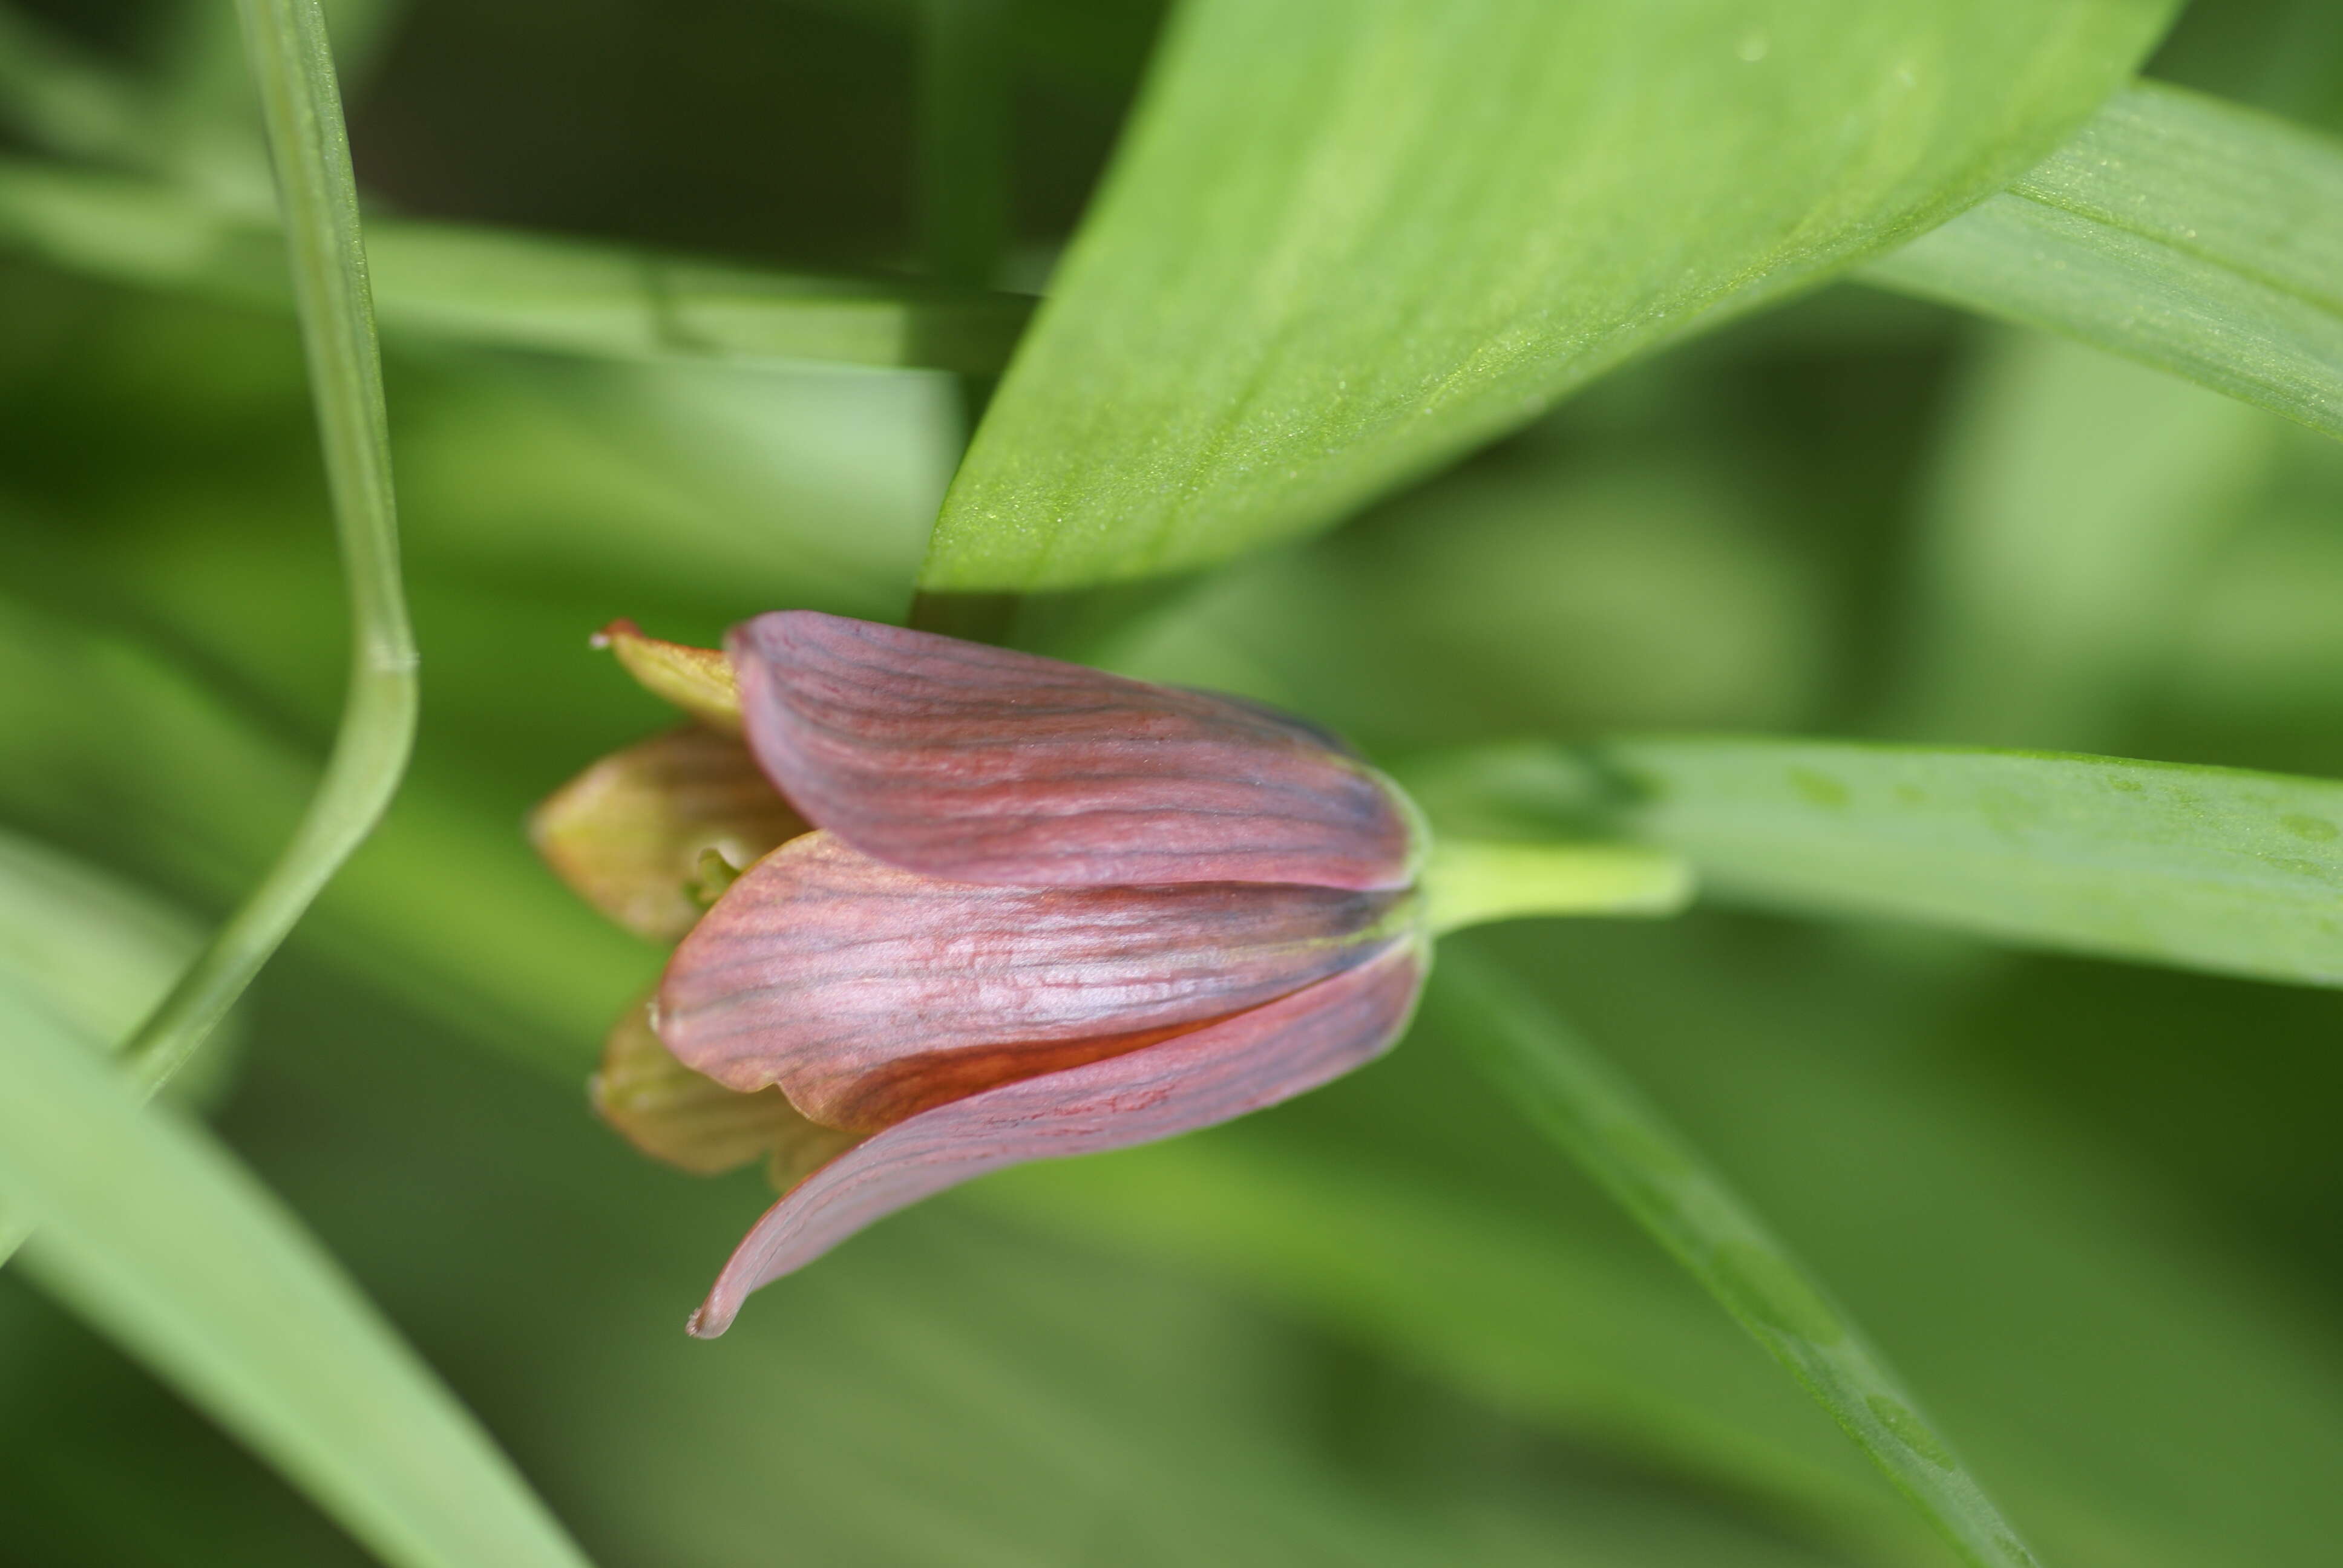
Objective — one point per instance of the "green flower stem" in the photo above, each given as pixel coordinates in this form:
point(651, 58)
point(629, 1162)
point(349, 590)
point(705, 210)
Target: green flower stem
point(293, 67)
point(1573, 1097)
point(1471, 881)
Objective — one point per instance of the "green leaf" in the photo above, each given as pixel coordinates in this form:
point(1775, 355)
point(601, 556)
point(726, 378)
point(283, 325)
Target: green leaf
point(97, 952)
point(2200, 868)
point(1575, 1098)
point(1343, 243)
point(2196, 235)
point(508, 288)
point(155, 1234)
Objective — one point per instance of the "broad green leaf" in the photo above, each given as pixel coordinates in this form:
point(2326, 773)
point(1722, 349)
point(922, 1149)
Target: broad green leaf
point(508, 288)
point(2077, 501)
point(1574, 1098)
point(2201, 868)
point(151, 1230)
point(2198, 237)
point(1344, 242)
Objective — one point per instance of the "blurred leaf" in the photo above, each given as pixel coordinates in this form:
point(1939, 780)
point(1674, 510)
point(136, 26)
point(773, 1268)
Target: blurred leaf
point(53, 92)
point(1345, 243)
point(1539, 1321)
point(444, 904)
point(2200, 868)
point(2077, 502)
point(1574, 1099)
point(97, 952)
point(945, 1389)
point(508, 288)
point(2196, 235)
point(2136, 1390)
point(151, 1230)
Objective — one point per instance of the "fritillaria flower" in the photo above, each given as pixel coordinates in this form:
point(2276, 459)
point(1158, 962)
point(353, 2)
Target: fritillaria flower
point(945, 908)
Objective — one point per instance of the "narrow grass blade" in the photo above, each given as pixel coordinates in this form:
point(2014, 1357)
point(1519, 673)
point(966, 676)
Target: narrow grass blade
point(2196, 235)
point(2200, 867)
point(293, 68)
point(1343, 242)
point(152, 1232)
point(508, 288)
point(1571, 1096)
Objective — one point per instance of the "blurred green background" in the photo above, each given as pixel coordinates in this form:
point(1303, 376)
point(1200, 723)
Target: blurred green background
point(2089, 1209)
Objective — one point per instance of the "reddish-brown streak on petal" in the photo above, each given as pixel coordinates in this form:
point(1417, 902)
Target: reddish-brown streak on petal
point(981, 764)
point(869, 993)
point(1206, 1076)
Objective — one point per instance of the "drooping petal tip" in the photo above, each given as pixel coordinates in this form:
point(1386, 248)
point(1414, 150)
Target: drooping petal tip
point(1199, 1078)
point(980, 764)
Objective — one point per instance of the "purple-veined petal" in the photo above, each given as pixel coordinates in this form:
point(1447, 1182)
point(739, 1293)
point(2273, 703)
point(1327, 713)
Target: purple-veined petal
point(1195, 1080)
point(984, 765)
point(869, 993)
point(629, 834)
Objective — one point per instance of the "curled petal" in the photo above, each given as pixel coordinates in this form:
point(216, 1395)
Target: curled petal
point(1196, 1080)
point(632, 833)
point(697, 680)
point(871, 993)
point(672, 1113)
point(983, 764)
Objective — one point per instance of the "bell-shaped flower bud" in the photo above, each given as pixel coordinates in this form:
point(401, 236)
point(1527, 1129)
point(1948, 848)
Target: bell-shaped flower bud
point(1049, 911)
point(945, 908)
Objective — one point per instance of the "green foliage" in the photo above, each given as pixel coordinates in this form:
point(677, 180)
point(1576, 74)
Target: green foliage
point(2188, 233)
point(2080, 499)
point(153, 1231)
point(513, 289)
point(2206, 868)
point(1568, 1093)
point(2085, 1209)
point(1288, 301)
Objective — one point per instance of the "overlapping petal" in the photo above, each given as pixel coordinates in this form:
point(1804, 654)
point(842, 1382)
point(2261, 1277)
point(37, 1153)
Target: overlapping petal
point(869, 993)
point(979, 764)
point(629, 833)
point(692, 1121)
point(1206, 1076)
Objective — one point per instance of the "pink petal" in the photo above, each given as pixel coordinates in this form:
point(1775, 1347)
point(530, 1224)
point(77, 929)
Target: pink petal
point(984, 765)
point(869, 993)
point(1196, 1080)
